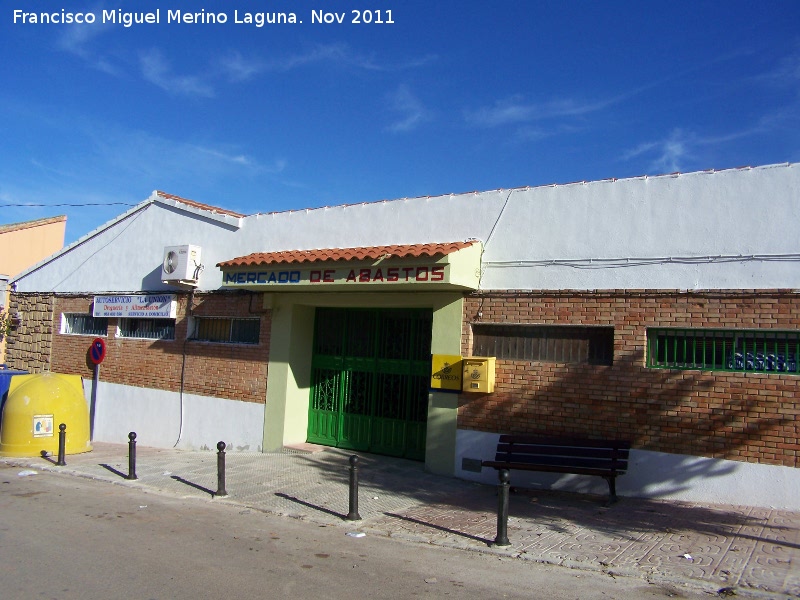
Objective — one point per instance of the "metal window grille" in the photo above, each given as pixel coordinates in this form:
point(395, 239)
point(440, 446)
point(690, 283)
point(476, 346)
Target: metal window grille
point(151, 329)
point(81, 324)
point(724, 350)
point(572, 344)
point(226, 330)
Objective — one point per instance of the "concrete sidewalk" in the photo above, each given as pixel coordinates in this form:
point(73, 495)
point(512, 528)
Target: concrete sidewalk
point(722, 549)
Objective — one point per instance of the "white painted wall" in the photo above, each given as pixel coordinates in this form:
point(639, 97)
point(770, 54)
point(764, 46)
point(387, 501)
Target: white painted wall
point(155, 416)
point(653, 475)
point(126, 255)
point(648, 232)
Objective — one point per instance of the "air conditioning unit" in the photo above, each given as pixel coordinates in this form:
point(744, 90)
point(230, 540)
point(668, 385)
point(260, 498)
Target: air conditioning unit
point(181, 264)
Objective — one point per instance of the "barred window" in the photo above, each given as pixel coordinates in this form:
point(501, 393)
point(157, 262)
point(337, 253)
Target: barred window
point(83, 324)
point(759, 351)
point(151, 329)
point(573, 344)
point(226, 330)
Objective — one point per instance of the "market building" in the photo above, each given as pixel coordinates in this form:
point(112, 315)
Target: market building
point(660, 310)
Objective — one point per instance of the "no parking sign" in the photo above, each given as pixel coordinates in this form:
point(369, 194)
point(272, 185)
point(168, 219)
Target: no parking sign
point(97, 352)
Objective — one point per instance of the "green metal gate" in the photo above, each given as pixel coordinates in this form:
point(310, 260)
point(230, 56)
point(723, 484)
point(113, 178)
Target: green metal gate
point(370, 380)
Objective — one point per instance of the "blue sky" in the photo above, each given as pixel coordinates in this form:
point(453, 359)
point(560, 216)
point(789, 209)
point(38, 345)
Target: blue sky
point(453, 96)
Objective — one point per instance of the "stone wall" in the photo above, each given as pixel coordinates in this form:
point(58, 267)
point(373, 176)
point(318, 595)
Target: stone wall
point(28, 346)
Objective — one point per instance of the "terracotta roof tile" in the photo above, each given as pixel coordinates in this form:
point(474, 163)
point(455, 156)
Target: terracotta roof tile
point(192, 203)
point(330, 254)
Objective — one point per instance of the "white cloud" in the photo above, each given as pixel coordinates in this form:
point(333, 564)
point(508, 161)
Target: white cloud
point(77, 39)
point(665, 156)
point(157, 71)
point(145, 154)
point(679, 150)
point(105, 162)
point(238, 68)
point(510, 110)
point(336, 53)
point(277, 166)
point(786, 73)
point(342, 55)
point(224, 157)
point(530, 133)
point(515, 110)
point(408, 106)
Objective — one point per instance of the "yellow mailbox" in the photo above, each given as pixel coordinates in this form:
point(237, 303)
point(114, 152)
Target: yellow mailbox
point(446, 372)
point(478, 374)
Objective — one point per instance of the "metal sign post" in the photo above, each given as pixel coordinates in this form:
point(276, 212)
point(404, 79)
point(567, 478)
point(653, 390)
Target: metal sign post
point(97, 352)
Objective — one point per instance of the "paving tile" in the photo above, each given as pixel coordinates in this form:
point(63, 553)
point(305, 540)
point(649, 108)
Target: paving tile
point(748, 548)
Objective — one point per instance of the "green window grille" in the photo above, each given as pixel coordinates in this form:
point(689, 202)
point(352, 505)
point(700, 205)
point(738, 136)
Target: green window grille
point(151, 329)
point(573, 344)
point(226, 330)
point(758, 351)
point(83, 324)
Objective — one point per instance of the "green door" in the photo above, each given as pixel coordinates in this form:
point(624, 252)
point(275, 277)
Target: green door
point(370, 379)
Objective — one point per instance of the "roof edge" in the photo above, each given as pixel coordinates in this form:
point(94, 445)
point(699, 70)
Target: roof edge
point(83, 239)
point(227, 217)
point(533, 187)
point(9, 227)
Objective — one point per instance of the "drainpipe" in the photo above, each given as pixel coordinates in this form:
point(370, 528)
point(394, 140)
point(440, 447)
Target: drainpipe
point(189, 309)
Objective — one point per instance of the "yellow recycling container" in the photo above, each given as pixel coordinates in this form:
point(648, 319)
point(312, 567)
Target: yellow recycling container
point(36, 405)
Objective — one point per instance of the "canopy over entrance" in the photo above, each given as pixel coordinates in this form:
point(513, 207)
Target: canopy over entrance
point(437, 266)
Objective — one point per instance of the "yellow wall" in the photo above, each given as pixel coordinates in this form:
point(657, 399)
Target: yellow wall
point(22, 245)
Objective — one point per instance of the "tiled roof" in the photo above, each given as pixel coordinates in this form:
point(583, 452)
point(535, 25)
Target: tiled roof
point(29, 224)
point(192, 203)
point(329, 254)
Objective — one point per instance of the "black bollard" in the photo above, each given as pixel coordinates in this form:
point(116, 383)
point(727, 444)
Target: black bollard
point(502, 509)
point(353, 514)
point(221, 470)
point(62, 444)
point(132, 456)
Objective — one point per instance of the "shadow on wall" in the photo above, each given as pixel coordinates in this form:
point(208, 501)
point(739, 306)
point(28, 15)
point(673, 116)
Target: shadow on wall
point(687, 414)
point(651, 475)
point(152, 282)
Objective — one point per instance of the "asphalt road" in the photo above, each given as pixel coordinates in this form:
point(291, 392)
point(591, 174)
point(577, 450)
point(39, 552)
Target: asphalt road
point(67, 537)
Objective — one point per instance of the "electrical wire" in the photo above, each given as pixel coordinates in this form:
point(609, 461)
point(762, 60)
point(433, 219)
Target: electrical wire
point(489, 237)
point(31, 205)
point(619, 263)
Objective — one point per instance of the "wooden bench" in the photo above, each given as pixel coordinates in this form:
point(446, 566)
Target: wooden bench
point(604, 458)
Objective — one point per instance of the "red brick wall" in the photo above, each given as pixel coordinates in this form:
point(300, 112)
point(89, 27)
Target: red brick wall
point(235, 371)
point(750, 417)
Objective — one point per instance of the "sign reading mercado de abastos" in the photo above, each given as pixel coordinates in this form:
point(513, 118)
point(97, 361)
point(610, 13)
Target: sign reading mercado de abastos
point(430, 273)
point(146, 306)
